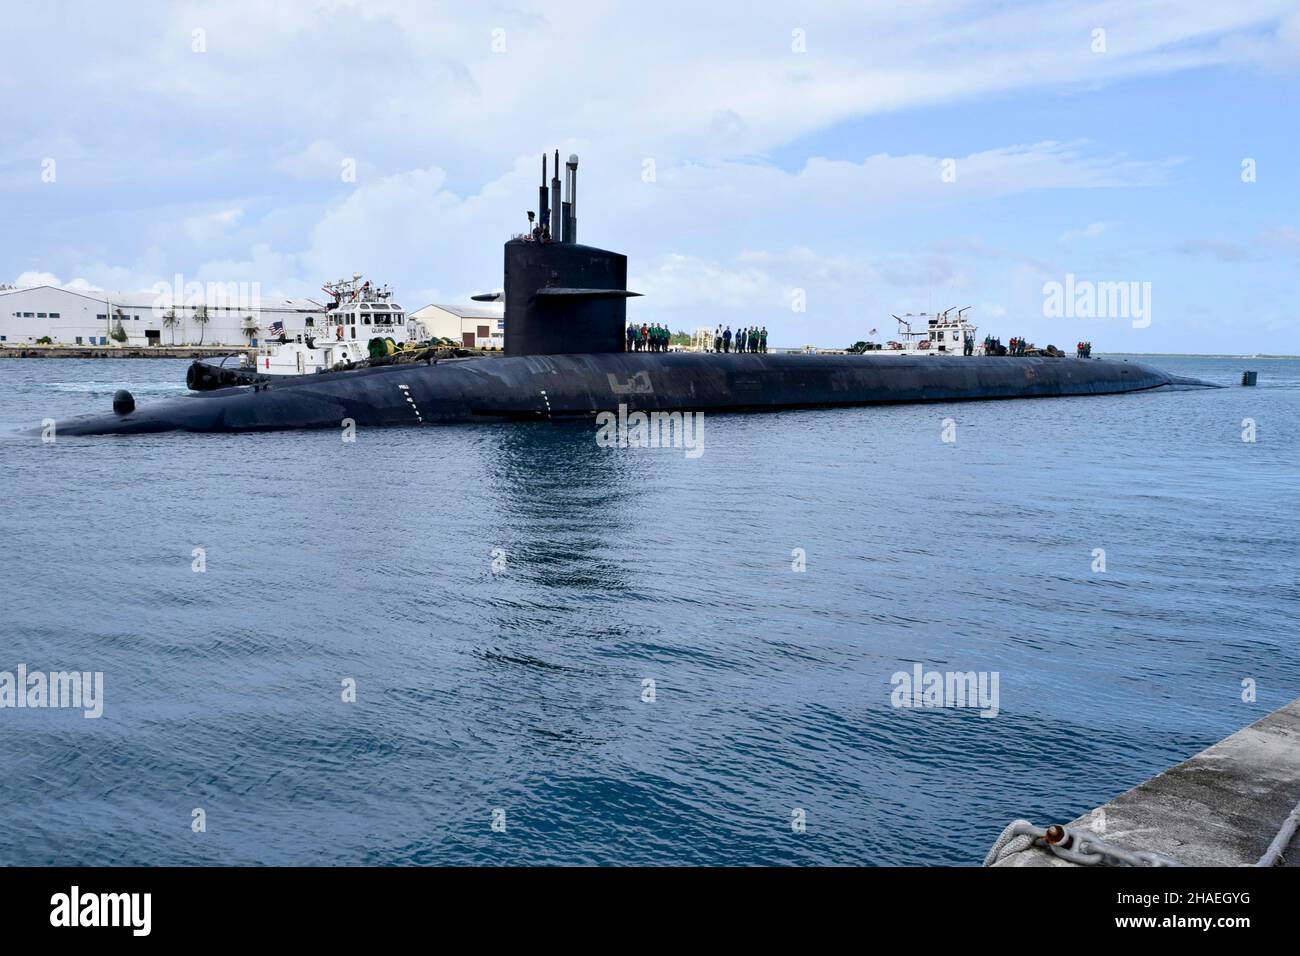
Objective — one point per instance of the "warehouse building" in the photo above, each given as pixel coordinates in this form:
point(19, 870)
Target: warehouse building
point(91, 317)
point(474, 326)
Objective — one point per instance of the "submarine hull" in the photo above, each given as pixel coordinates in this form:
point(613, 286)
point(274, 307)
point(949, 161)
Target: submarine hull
point(566, 327)
point(580, 385)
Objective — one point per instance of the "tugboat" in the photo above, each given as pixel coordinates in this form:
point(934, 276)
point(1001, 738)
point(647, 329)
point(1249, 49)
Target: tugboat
point(356, 305)
point(950, 333)
point(360, 323)
point(944, 333)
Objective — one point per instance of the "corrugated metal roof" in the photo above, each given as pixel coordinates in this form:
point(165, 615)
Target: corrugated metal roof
point(146, 300)
point(468, 311)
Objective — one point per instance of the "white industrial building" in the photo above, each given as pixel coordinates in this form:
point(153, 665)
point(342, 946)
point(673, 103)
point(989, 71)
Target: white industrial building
point(474, 326)
point(87, 317)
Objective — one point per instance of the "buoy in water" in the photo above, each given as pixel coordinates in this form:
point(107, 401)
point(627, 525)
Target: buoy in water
point(1248, 378)
point(123, 402)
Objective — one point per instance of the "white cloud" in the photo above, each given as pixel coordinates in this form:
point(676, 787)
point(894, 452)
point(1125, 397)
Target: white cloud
point(37, 278)
point(48, 278)
point(675, 282)
point(388, 81)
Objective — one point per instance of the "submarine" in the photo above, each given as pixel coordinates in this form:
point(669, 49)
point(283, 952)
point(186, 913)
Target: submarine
point(565, 357)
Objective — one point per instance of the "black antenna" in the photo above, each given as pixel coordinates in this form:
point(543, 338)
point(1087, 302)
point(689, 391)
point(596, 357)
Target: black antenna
point(543, 209)
point(556, 209)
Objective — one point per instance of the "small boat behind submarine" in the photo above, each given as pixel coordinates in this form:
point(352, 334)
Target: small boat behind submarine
point(565, 357)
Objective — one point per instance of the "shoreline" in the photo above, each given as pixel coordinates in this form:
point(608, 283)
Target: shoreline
point(120, 351)
point(1205, 355)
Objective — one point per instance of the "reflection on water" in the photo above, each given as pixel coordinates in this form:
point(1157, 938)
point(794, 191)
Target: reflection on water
point(561, 504)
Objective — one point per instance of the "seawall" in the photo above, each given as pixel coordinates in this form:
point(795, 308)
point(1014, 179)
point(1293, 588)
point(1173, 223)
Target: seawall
point(1221, 807)
point(120, 351)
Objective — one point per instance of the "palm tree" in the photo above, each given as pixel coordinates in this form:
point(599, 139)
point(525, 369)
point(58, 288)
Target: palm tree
point(250, 328)
point(170, 321)
point(201, 317)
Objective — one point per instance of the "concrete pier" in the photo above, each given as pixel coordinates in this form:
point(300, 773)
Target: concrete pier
point(1221, 807)
point(9, 350)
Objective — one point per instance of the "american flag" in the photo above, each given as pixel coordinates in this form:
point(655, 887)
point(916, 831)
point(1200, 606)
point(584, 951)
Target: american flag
point(277, 328)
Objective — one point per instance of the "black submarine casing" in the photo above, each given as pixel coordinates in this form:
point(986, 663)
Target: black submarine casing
point(563, 386)
point(565, 321)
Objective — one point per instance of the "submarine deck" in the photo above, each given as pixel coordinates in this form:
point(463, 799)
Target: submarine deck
point(578, 385)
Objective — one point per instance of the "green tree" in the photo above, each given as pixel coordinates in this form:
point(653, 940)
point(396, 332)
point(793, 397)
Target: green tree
point(118, 334)
point(201, 317)
point(170, 321)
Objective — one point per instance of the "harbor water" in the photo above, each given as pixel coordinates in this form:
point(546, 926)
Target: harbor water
point(568, 653)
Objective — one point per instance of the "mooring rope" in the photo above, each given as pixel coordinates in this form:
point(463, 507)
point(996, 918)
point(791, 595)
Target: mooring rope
point(1087, 848)
point(1077, 846)
point(1273, 855)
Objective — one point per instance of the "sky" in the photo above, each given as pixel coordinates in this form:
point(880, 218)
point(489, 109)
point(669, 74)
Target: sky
point(811, 167)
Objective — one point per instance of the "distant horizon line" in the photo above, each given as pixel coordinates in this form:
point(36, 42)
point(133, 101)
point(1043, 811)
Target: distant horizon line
point(1258, 355)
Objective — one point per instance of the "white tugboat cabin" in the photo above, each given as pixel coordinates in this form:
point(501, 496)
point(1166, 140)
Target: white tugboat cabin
point(943, 333)
point(359, 312)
